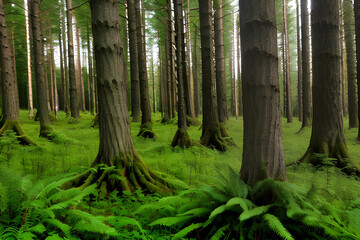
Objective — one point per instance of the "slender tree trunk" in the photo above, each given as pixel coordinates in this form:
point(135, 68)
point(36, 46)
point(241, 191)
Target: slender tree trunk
point(63, 95)
point(91, 80)
point(74, 102)
point(28, 50)
point(305, 43)
point(289, 113)
point(327, 136)
point(146, 124)
point(53, 74)
point(161, 77)
point(220, 66)
point(116, 147)
point(232, 80)
point(240, 107)
point(299, 83)
point(66, 72)
point(357, 37)
point(40, 74)
point(342, 60)
point(167, 79)
point(172, 84)
point(211, 135)
point(350, 62)
point(10, 95)
point(81, 92)
point(196, 79)
point(153, 82)
point(188, 58)
point(263, 155)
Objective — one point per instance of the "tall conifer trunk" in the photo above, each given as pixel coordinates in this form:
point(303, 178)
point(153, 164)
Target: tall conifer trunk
point(357, 37)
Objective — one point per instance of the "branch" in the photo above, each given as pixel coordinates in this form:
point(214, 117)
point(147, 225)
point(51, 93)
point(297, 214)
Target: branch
point(17, 5)
point(78, 6)
point(50, 10)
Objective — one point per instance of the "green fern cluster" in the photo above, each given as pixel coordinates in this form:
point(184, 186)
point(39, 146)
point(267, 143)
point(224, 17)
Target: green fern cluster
point(270, 210)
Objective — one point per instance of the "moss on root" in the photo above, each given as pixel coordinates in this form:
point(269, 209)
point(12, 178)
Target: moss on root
point(45, 131)
point(52, 116)
point(121, 178)
point(337, 154)
point(192, 121)
point(15, 126)
point(212, 138)
point(165, 119)
point(181, 139)
point(146, 131)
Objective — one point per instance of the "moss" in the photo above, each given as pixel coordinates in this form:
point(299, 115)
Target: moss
point(192, 121)
point(45, 131)
point(165, 119)
point(181, 139)
point(95, 121)
point(146, 131)
point(212, 138)
point(15, 126)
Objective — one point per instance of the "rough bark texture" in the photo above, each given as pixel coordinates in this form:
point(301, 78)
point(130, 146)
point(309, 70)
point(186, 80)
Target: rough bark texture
point(299, 83)
point(357, 36)
point(66, 69)
point(146, 124)
point(181, 138)
point(116, 148)
point(74, 103)
point(239, 91)
point(134, 66)
point(195, 73)
point(327, 136)
point(90, 77)
point(305, 42)
point(41, 91)
point(342, 60)
point(220, 66)
point(263, 155)
point(9, 85)
point(233, 89)
point(28, 50)
point(350, 62)
point(211, 135)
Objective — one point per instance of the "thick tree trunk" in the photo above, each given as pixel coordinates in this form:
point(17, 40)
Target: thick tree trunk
point(195, 73)
point(220, 66)
point(289, 113)
point(299, 83)
point(134, 66)
point(327, 136)
point(40, 75)
point(211, 135)
point(116, 148)
point(146, 124)
point(181, 138)
point(263, 155)
point(74, 102)
point(305, 42)
point(10, 95)
point(357, 37)
point(350, 62)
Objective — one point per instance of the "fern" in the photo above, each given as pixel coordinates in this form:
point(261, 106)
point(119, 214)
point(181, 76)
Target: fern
point(220, 232)
point(185, 231)
point(276, 226)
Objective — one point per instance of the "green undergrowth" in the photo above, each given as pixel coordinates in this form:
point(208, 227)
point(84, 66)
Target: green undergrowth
point(75, 146)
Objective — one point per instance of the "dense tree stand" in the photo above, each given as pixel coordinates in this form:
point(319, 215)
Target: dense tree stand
point(15, 126)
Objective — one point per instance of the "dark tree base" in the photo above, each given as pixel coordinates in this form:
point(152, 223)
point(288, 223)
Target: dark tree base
point(337, 154)
point(95, 121)
point(192, 121)
point(165, 119)
point(212, 138)
point(130, 178)
point(52, 117)
point(181, 139)
point(223, 131)
point(15, 126)
point(45, 132)
point(146, 131)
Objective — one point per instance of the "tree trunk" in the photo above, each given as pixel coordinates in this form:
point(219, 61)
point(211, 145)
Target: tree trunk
point(90, 77)
point(40, 74)
point(53, 73)
point(327, 136)
point(232, 80)
point(289, 113)
point(66, 72)
point(63, 95)
point(342, 60)
point(10, 95)
point(350, 62)
point(195, 72)
point(181, 138)
point(305, 42)
point(211, 135)
point(134, 66)
point(299, 88)
point(146, 124)
point(74, 102)
point(116, 147)
point(81, 92)
point(28, 50)
point(240, 107)
point(357, 37)
point(220, 66)
point(263, 155)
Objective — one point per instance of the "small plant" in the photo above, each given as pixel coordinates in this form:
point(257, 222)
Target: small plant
point(8, 143)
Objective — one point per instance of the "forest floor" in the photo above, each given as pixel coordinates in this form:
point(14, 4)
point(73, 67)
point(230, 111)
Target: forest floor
point(75, 146)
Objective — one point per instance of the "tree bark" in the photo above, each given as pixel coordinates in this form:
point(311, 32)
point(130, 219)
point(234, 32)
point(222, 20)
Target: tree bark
point(211, 135)
point(116, 147)
point(357, 37)
point(220, 66)
point(299, 83)
point(78, 69)
point(327, 136)
point(66, 72)
point(195, 73)
point(305, 42)
point(74, 102)
point(263, 155)
point(28, 50)
point(342, 60)
point(350, 63)
point(239, 101)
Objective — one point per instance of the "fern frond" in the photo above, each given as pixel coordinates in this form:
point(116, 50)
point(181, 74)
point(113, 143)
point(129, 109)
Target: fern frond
point(198, 212)
point(219, 234)
point(177, 221)
point(59, 225)
point(257, 211)
point(185, 231)
point(276, 226)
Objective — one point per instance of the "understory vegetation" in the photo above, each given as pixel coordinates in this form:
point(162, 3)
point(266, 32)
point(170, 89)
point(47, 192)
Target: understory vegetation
point(212, 202)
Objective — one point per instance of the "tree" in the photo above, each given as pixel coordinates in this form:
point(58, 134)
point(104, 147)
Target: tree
point(357, 37)
point(299, 87)
point(211, 135)
point(181, 138)
point(74, 103)
point(10, 96)
point(263, 155)
point(305, 43)
point(134, 66)
point(350, 62)
point(220, 66)
point(327, 135)
point(195, 73)
point(38, 49)
point(116, 148)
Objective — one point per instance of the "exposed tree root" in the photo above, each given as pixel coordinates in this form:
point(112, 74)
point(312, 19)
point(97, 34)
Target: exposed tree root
point(15, 126)
point(338, 155)
point(192, 121)
point(146, 131)
point(181, 139)
point(45, 131)
point(95, 121)
point(212, 138)
point(130, 178)
point(165, 119)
